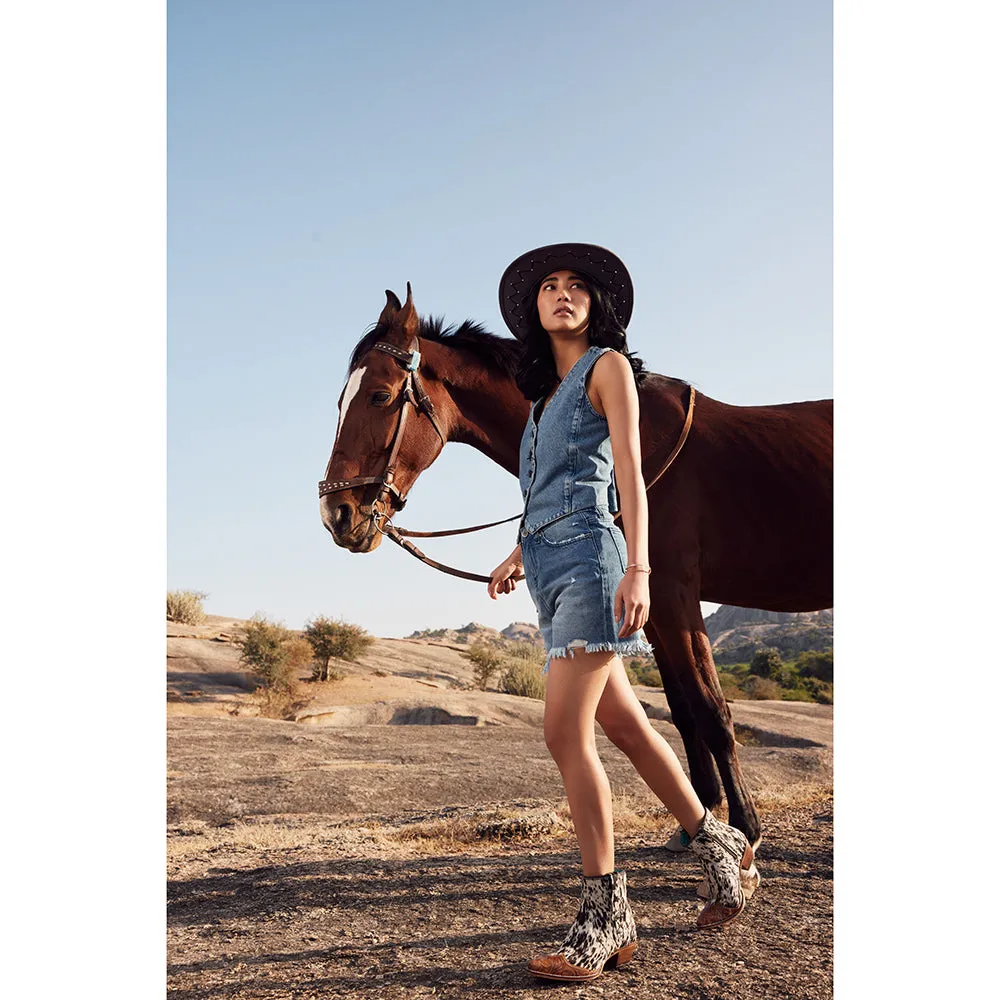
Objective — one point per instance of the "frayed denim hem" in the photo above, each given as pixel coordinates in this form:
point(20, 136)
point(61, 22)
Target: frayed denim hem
point(623, 647)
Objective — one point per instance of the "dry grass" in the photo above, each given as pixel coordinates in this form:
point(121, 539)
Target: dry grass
point(474, 832)
point(778, 799)
point(271, 833)
point(279, 703)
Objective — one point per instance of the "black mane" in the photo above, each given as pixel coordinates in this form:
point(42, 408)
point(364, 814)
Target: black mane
point(500, 354)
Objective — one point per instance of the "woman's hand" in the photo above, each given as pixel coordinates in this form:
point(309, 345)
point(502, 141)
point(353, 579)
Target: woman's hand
point(502, 578)
point(632, 598)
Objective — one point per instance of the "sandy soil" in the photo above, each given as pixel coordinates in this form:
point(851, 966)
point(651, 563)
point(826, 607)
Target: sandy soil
point(356, 852)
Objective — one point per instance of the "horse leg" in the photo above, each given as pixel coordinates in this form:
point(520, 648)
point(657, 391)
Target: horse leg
point(688, 651)
point(701, 765)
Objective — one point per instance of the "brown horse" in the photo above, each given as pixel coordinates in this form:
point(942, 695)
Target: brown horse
point(743, 517)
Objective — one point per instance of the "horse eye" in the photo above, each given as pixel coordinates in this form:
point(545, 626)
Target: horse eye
point(381, 396)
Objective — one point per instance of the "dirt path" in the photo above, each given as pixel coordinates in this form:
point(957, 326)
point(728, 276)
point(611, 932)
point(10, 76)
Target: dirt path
point(307, 922)
point(312, 893)
point(316, 860)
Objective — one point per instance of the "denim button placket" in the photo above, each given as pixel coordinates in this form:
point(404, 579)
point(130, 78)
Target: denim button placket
point(566, 460)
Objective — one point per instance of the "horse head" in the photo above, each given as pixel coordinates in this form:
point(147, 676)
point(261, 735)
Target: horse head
point(381, 446)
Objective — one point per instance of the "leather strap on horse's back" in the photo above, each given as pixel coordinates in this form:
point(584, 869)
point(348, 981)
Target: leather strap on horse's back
point(681, 441)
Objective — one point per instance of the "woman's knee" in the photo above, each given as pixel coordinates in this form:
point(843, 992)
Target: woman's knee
point(627, 730)
point(564, 739)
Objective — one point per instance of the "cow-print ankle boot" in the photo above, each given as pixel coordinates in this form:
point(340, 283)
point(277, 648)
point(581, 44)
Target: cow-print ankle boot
point(727, 860)
point(604, 931)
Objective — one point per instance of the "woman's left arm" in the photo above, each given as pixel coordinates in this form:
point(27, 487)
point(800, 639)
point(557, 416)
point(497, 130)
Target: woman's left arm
point(615, 387)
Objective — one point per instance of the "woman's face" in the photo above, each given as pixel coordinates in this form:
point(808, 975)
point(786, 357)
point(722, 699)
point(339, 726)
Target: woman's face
point(564, 304)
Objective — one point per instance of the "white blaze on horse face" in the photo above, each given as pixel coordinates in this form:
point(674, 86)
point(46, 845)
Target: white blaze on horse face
point(353, 384)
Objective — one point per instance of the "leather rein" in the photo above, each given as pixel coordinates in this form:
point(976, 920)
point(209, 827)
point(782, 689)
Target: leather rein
point(416, 396)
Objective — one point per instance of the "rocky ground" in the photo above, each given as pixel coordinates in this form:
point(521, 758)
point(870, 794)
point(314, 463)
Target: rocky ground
point(364, 850)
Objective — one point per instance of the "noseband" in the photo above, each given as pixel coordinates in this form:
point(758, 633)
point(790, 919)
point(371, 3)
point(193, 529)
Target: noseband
point(413, 394)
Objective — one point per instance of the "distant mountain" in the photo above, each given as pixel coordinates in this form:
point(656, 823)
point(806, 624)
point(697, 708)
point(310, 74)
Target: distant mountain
point(736, 633)
point(514, 632)
point(522, 632)
point(467, 634)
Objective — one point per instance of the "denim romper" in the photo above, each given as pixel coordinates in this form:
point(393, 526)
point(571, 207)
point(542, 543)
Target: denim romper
point(574, 554)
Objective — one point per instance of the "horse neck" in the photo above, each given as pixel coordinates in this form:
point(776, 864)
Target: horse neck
point(488, 411)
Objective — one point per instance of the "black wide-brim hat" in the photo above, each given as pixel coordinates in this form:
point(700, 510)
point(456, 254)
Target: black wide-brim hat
point(589, 261)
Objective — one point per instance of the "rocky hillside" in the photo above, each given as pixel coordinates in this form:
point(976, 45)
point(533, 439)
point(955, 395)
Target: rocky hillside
point(737, 632)
point(473, 632)
point(467, 634)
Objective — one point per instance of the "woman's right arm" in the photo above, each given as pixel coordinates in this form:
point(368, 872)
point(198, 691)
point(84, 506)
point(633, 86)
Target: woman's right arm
point(502, 578)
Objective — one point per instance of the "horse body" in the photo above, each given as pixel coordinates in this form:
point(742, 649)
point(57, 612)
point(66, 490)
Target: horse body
point(752, 491)
point(743, 516)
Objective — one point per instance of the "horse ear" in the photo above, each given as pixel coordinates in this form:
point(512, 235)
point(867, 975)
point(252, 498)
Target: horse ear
point(409, 318)
point(392, 306)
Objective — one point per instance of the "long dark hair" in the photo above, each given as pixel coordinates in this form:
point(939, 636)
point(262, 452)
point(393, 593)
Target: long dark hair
point(536, 374)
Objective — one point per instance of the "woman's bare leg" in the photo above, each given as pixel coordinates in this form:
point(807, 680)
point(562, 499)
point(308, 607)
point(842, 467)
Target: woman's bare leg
point(626, 724)
point(572, 692)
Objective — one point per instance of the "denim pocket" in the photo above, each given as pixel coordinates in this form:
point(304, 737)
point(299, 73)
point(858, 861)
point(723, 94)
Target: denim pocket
point(612, 538)
point(565, 531)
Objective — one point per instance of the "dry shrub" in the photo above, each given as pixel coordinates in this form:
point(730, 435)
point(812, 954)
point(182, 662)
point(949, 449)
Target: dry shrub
point(731, 689)
point(762, 689)
point(527, 651)
point(522, 677)
point(268, 649)
point(184, 606)
point(298, 654)
point(279, 703)
point(486, 659)
point(647, 674)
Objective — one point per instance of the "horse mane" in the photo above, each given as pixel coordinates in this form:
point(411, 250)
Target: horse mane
point(500, 354)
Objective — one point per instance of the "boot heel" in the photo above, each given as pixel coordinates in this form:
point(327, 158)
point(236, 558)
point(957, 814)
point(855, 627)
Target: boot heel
point(749, 876)
point(620, 957)
point(749, 880)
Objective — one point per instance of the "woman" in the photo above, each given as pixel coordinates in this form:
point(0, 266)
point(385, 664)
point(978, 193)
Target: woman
point(569, 304)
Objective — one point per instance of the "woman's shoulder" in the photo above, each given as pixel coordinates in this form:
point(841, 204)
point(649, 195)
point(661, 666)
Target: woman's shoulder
point(611, 360)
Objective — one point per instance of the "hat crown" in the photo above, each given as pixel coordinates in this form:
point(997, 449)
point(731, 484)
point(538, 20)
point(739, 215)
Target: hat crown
point(592, 261)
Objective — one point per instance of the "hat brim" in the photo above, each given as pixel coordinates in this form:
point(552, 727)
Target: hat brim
point(598, 263)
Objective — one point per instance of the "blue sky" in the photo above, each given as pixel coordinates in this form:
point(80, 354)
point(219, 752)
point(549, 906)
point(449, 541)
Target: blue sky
point(319, 153)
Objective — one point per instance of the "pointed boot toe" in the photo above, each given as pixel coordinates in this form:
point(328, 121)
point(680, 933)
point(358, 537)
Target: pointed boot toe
point(603, 934)
point(557, 967)
point(715, 915)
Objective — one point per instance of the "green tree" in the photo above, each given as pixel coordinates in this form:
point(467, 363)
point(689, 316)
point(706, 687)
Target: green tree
point(264, 649)
point(813, 663)
point(338, 639)
point(766, 663)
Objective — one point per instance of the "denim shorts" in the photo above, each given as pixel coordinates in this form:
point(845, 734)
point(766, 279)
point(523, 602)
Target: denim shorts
point(572, 567)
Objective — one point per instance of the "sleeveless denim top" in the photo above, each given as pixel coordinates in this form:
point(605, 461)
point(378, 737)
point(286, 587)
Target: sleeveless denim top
point(566, 463)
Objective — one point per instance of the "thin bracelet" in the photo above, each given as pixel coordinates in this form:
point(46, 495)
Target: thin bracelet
point(639, 567)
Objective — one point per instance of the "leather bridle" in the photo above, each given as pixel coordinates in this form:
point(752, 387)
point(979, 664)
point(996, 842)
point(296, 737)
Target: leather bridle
point(414, 394)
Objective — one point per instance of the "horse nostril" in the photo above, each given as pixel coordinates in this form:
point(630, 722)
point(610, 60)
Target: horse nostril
point(342, 517)
point(334, 520)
